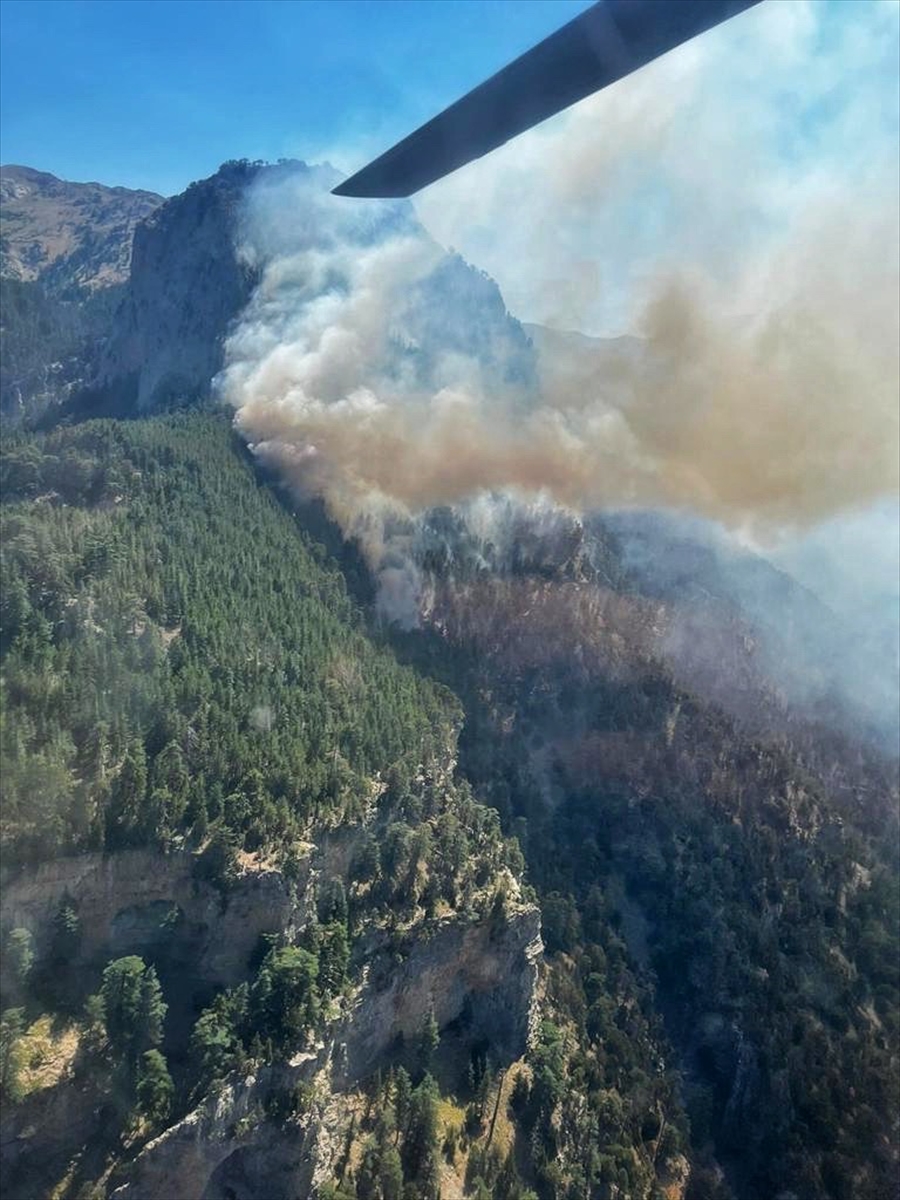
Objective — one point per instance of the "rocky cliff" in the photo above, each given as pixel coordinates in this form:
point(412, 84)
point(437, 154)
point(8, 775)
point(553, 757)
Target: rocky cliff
point(187, 283)
point(128, 903)
point(228, 1149)
point(476, 973)
point(65, 254)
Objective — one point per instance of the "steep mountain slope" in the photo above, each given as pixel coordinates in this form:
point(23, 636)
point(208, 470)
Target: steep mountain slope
point(230, 781)
point(49, 347)
point(67, 236)
point(65, 253)
point(748, 852)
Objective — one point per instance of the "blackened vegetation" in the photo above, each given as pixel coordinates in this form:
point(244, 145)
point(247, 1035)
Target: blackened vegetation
point(744, 888)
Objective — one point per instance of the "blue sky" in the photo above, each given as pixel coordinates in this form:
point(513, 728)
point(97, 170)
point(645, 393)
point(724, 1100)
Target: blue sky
point(157, 94)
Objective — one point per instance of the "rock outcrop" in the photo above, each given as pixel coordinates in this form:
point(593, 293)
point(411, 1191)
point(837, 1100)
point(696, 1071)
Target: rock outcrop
point(187, 284)
point(226, 1149)
point(127, 903)
point(475, 971)
point(480, 975)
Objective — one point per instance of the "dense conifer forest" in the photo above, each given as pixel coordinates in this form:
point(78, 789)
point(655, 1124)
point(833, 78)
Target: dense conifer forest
point(161, 612)
point(185, 670)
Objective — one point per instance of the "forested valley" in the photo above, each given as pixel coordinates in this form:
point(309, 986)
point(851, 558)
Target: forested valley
point(190, 679)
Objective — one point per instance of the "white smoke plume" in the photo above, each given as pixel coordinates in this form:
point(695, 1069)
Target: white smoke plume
point(757, 264)
point(781, 412)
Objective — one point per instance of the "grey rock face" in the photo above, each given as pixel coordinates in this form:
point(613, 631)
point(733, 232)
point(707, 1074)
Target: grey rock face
point(227, 1149)
point(126, 902)
point(187, 284)
point(224, 1149)
point(481, 974)
point(476, 973)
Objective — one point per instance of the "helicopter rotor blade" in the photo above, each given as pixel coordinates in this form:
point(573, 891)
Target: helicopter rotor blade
point(603, 44)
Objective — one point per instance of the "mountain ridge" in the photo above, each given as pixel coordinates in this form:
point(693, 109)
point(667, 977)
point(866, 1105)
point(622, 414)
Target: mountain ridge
point(67, 235)
point(568, 722)
point(65, 257)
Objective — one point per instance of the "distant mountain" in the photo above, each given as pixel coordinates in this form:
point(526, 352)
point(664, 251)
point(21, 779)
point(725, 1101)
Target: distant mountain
point(67, 236)
point(65, 253)
point(570, 361)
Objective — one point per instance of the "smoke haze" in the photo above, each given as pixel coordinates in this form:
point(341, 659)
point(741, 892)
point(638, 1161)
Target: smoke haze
point(733, 207)
point(778, 411)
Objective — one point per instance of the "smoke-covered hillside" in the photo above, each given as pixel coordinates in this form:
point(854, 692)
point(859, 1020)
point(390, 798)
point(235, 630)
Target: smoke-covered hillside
point(416, 803)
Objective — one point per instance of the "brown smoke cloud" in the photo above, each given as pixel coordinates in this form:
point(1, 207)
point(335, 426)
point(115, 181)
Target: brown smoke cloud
point(785, 413)
point(776, 416)
point(762, 389)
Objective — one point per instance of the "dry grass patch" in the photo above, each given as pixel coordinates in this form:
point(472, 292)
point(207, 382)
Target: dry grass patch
point(46, 1053)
